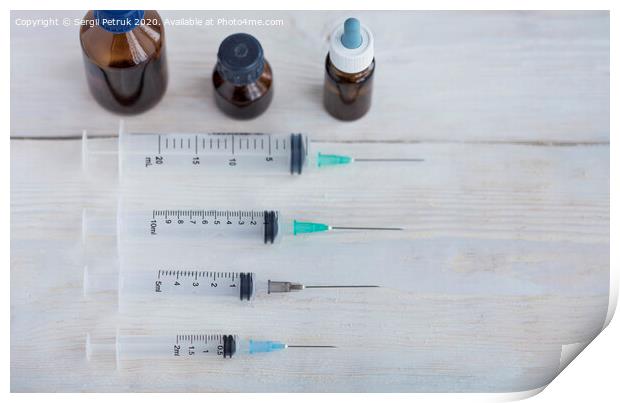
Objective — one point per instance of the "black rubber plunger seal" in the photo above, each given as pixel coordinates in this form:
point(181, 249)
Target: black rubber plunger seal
point(298, 153)
point(271, 226)
point(246, 286)
point(230, 346)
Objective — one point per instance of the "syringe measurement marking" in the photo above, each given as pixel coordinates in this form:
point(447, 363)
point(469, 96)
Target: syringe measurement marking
point(199, 338)
point(196, 273)
point(208, 213)
point(177, 275)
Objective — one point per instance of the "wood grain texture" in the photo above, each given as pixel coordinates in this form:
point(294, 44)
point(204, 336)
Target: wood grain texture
point(505, 256)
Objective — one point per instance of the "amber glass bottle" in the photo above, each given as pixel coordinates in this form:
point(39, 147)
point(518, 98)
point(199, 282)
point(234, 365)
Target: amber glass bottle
point(347, 96)
point(349, 71)
point(242, 78)
point(125, 58)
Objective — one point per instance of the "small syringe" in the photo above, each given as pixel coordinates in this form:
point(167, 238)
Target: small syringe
point(182, 346)
point(221, 153)
point(190, 282)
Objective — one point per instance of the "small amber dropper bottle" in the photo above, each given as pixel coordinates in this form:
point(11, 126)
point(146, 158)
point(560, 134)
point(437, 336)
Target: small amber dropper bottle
point(242, 78)
point(349, 71)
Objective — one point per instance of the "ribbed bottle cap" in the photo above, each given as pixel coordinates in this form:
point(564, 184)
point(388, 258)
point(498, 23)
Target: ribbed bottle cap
point(351, 47)
point(118, 21)
point(240, 59)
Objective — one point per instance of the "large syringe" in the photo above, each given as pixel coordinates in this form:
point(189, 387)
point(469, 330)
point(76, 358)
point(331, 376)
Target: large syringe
point(221, 153)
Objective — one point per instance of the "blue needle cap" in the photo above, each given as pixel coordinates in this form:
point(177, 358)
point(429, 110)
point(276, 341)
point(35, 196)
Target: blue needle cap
point(258, 346)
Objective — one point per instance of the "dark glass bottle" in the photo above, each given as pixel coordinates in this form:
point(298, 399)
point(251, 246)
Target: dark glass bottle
point(242, 78)
point(347, 96)
point(125, 59)
point(349, 71)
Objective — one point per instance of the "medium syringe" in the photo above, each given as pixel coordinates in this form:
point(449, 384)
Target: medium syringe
point(221, 153)
point(233, 224)
point(148, 225)
point(184, 346)
point(190, 282)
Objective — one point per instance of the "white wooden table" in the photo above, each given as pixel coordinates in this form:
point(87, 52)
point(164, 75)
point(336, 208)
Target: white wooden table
point(506, 252)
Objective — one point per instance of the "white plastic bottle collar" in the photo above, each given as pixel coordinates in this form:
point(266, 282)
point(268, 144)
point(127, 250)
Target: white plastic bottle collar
point(347, 59)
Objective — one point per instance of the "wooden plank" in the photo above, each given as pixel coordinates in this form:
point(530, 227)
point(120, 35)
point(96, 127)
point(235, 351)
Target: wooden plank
point(505, 259)
point(441, 76)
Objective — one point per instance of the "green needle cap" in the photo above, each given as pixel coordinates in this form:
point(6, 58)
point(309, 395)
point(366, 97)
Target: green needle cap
point(324, 160)
point(301, 227)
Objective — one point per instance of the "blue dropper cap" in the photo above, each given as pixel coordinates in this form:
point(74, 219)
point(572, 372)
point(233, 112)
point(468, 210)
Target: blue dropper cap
point(352, 37)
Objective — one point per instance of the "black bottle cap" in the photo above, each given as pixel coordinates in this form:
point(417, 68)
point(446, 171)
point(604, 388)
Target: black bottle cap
point(240, 59)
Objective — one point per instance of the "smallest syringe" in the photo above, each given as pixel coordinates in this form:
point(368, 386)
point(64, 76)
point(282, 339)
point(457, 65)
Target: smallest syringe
point(204, 284)
point(183, 346)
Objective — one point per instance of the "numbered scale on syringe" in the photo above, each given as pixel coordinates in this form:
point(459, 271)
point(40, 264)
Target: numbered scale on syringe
point(213, 152)
point(190, 282)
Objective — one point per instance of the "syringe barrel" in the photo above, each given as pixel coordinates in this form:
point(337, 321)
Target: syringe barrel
point(187, 282)
point(199, 225)
point(170, 284)
point(180, 346)
point(212, 153)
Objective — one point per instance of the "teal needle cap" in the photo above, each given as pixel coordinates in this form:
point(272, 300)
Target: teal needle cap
point(265, 346)
point(352, 37)
point(302, 227)
point(324, 160)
